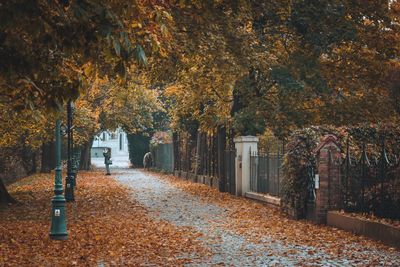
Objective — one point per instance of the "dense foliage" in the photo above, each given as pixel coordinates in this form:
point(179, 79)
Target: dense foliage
point(91, 52)
point(243, 64)
point(283, 64)
point(247, 65)
point(139, 144)
point(55, 51)
point(298, 162)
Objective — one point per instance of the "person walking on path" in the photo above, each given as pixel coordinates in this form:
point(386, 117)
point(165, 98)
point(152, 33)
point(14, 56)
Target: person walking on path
point(107, 160)
point(147, 160)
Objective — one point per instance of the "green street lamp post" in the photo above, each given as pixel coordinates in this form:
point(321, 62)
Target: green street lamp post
point(58, 230)
point(69, 180)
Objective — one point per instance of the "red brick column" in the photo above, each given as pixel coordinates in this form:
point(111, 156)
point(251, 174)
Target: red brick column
point(328, 165)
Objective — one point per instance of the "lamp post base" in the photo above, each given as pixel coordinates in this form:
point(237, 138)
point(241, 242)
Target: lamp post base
point(69, 189)
point(58, 230)
point(59, 237)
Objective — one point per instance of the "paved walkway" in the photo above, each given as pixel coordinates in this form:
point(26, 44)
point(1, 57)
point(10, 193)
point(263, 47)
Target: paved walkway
point(166, 202)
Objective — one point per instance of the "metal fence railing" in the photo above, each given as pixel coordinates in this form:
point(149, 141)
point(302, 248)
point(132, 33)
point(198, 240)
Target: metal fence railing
point(371, 184)
point(207, 154)
point(163, 157)
point(266, 173)
point(230, 172)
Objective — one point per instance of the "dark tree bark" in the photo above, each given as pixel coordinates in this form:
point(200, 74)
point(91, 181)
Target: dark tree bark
point(198, 154)
point(221, 143)
point(47, 159)
point(192, 151)
point(85, 162)
point(203, 153)
point(215, 154)
point(34, 165)
point(5, 197)
point(209, 155)
point(175, 140)
point(187, 161)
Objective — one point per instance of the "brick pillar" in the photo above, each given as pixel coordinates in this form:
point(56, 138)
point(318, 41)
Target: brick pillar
point(328, 193)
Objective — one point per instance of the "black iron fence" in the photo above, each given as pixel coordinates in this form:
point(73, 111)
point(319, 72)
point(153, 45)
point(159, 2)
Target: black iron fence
point(230, 172)
point(371, 183)
point(209, 154)
point(266, 172)
point(163, 157)
point(196, 153)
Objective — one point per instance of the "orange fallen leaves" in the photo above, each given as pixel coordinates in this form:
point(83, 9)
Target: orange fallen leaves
point(256, 220)
point(105, 227)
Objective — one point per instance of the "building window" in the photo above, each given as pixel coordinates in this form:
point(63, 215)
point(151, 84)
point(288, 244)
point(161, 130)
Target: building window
point(120, 141)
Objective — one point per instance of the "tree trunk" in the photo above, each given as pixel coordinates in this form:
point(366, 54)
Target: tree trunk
point(221, 157)
point(47, 160)
point(192, 150)
point(34, 165)
point(85, 162)
point(198, 153)
point(203, 151)
point(215, 154)
point(175, 141)
point(5, 197)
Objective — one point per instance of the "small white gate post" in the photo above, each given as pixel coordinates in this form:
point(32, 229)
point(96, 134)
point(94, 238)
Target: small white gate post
point(244, 145)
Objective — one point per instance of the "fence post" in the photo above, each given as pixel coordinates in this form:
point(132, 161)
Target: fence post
point(328, 192)
point(175, 142)
point(221, 143)
point(244, 145)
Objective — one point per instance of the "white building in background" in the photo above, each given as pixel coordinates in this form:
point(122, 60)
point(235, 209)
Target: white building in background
point(117, 140)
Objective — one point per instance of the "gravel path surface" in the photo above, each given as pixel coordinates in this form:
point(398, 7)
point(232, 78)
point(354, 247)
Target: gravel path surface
point(119, 161)
point(166, 202)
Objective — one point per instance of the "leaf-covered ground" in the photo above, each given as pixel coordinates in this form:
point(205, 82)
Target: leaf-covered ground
point(147, 219)
point(265, 225)
point(106, 227)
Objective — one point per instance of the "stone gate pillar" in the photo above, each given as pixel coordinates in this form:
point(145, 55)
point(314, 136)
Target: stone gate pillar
point(328, 187)
point(243, 145)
